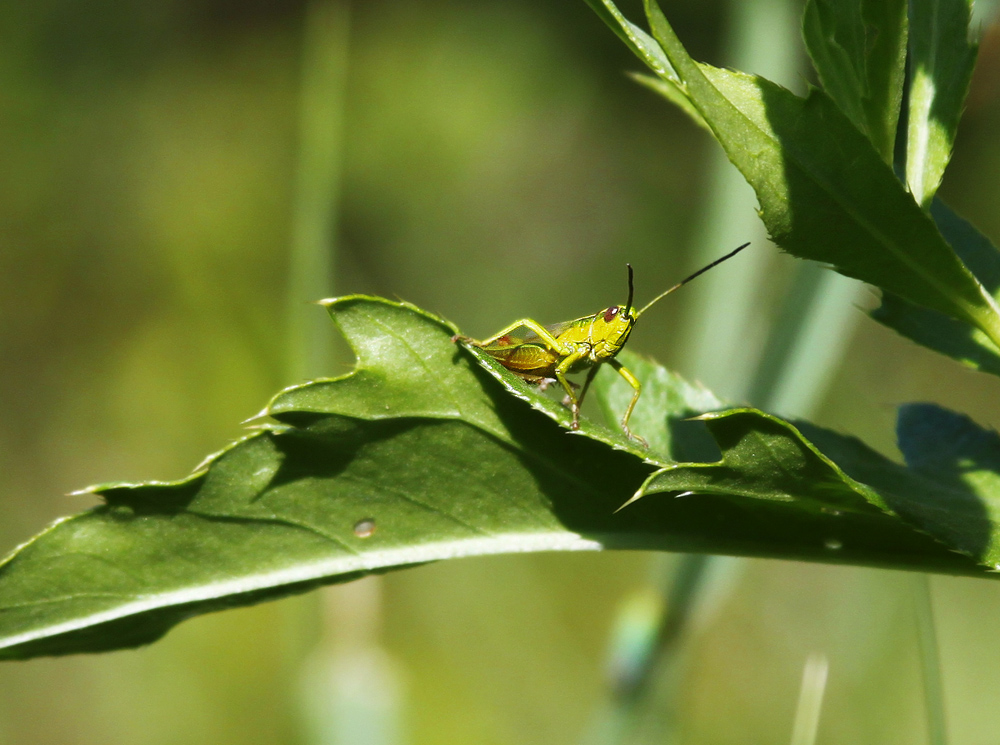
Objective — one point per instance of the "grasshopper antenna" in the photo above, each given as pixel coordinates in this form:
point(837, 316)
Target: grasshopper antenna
point(628, 303)
point(684, 281)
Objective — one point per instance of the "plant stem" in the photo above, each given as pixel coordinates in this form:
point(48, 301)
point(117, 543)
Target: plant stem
point(715, 350)
point(930, 660)
point(317, 186)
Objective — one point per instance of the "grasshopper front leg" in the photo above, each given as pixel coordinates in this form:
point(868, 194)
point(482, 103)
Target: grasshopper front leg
point(637, 387)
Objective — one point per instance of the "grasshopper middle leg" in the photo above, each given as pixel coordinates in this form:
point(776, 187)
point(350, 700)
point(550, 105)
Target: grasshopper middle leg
point(561, 369)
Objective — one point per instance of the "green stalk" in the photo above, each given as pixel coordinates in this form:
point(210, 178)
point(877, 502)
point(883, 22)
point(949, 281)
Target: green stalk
point(806, 342)
point(930, 660)
point(715, 350)
point(988, 320)
point(650, 649)
point(317, 187)
point(335, 711)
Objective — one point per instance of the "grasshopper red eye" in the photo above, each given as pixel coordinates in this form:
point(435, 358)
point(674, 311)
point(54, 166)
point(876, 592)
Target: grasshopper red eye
point(610, 313)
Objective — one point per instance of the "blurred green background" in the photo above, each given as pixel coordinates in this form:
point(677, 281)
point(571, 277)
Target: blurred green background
point(494, 162)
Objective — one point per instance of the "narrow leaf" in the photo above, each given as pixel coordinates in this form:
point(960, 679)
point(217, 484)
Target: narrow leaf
point(858, 48)
point(824, 192)
point(934, 330)
point(941, 61)
point(637, 40)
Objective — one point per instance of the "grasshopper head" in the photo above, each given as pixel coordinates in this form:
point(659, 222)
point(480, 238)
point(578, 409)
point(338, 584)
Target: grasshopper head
point(613, 325)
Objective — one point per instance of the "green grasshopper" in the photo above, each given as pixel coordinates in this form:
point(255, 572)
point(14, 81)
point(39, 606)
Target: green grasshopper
point(552, 352)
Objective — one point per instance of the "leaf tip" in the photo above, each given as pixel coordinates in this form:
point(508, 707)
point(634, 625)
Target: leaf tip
point(262, 414)
point(635, 497)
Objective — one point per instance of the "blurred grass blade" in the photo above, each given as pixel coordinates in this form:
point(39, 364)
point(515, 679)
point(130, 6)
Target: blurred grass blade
point(353, 690)
point(810, 703)
point(420, 455)
point(652, 650)
point(859, 51)
point(934, 330)
point(825, 194)
point(717, 345)
point(317, 184)
point(930, 661)
point(941, 62)
point(806, 342)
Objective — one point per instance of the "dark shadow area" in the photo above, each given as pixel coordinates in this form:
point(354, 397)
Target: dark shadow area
point(586, 484)
point(690, 441)
point(927, 497)
point(326, 444)
point(123, 503)
point(947, 449)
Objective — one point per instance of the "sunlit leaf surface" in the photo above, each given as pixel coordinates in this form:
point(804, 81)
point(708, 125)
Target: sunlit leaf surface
point(421, 454)
point(825, 192)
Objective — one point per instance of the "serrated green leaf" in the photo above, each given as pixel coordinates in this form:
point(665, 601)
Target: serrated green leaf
point(418, 455)
point(941, 61)
point(824, 192)
point(817, 472)
point(966, 344)
point(858, 48)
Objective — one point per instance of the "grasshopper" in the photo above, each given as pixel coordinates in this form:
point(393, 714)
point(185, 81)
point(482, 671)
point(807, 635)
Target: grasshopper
point(552, 352)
